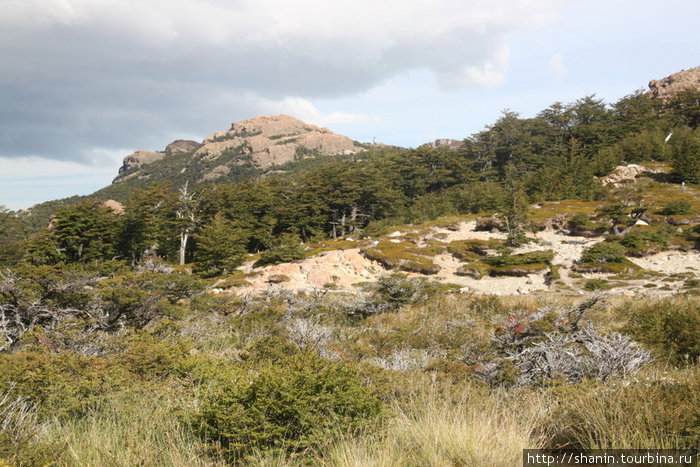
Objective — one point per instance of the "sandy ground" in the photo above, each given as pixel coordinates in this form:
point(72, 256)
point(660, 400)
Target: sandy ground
point(347, 268)
point(671, 262)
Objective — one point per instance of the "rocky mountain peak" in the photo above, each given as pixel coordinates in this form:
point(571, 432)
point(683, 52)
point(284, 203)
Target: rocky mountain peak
point(666, 88)
point(260, 142)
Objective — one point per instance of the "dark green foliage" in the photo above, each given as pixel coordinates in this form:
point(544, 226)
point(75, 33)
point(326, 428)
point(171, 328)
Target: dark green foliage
point(220, 247)
point(535, 257)
point(604, 252)
point(12, 235)
point(296, 405)
point(671, 327)
point(680, 206)
point(578, 220)
point(685, 155)
point(638, 242)
point(138, 298)
point(285, 249)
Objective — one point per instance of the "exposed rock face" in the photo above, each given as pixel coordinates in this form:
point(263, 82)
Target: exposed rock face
point(666, 88)
point(276, 140)
point(262, 142)
point(182, 145)
point(445, 142)
point(115, 206)
point(625, 172)
point(137, 159)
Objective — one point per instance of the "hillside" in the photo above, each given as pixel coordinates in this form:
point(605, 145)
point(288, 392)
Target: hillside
point(531, 287)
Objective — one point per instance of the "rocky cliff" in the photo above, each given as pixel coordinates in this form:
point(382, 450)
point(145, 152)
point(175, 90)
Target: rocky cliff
point(260, 142)
point(666, 88)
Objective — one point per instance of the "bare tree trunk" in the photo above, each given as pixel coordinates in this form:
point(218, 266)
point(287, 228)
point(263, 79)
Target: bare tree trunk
point(184, 236)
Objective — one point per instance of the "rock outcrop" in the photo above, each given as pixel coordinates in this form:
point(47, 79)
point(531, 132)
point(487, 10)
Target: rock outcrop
point(182, 145)
point(136, 160)
point(666, 88)
point(275, 140)
point(446, 142)
point(260, 142)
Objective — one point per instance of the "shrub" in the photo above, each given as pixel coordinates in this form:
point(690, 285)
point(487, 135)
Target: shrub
point(390, 293)
point(604, 252)
point(295, 405)
point(59, 385)
point(680, 206)
point(541, 346)
point(287, 248)
point(671, 327)
point(597, 284)
point(534, 257)
point(580, 219)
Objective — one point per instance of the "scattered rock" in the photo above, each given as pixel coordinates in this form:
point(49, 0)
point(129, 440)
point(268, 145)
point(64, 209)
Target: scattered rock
point(468, 272)
point(490, 224)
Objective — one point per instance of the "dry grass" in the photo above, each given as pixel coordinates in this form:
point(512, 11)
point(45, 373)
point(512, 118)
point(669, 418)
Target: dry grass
point(434, 430)
point(125, 432)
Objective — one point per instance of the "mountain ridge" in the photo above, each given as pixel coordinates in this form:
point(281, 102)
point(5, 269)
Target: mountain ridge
point(260, 142)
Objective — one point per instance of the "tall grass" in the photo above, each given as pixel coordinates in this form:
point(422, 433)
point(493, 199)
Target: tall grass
point(127, 432)
point(434, 430)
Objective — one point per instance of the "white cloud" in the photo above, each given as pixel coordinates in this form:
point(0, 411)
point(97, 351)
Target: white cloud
point(305, 110)
point(114, 73)
point(556, 67)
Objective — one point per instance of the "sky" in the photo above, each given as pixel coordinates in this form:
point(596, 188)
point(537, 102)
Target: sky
point(84, 83)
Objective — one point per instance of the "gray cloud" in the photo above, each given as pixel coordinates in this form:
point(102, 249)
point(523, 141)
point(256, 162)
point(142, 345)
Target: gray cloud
point(78, 76)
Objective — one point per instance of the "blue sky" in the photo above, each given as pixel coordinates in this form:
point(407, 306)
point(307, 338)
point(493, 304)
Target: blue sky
point(83, 83)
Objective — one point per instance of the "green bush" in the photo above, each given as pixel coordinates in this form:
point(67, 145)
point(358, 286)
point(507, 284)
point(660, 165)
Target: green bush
point(670, 326)
point(292, 406)
point(60, 384)
point(287, 248)
point(604, 252)
point(580, 219)
point(597, 284)
point(680, 206)
point(534, 257)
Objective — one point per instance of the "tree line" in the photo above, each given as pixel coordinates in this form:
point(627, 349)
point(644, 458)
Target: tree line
point(555, 155)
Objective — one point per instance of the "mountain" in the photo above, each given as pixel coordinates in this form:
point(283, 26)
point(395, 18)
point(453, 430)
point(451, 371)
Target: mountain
point(667, 88)
point(257, 144)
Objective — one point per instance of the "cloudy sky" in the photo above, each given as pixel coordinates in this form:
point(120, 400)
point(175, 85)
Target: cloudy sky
point(85, 82)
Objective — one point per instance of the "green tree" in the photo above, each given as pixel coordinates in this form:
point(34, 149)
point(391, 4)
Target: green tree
point(12, 236)
point(220, 246)
point(85, 232)
point(685, 155)
point(146, 226)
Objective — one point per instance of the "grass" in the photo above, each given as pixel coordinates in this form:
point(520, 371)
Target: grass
point(436, 414)
point(435, 430)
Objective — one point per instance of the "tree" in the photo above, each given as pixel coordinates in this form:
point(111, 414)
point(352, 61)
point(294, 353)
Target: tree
point(146, 224)
point(185, 213)
point(12, 236)
point(685, 155)
point(85, 232)
point(220, 246)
